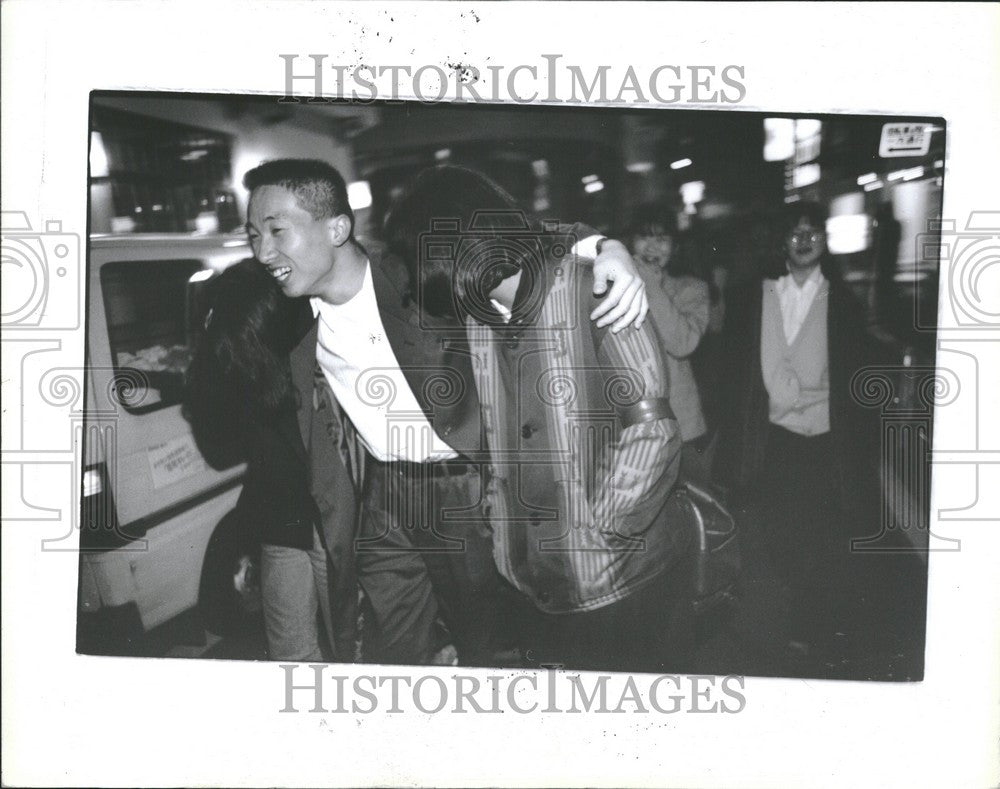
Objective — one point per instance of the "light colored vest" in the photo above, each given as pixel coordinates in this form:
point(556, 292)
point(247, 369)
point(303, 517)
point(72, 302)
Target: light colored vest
point(797, 376)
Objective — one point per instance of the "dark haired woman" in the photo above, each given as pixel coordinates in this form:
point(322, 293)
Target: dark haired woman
point(242, 408)
point(679, 308)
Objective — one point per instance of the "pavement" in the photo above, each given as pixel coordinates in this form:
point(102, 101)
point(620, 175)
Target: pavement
point(881, 636)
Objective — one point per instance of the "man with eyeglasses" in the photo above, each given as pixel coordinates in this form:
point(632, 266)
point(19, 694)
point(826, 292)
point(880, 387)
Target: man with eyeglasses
point(793, 439)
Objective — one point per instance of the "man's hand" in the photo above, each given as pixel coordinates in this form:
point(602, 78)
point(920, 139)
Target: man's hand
point(626, 301)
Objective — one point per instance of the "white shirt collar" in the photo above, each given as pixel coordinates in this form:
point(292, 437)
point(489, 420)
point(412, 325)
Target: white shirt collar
point(811, 283)
point(795, 301)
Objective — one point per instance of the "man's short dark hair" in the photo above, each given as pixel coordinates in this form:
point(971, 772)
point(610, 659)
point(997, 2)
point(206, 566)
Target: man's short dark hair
point(318, 187)
point(814, 213)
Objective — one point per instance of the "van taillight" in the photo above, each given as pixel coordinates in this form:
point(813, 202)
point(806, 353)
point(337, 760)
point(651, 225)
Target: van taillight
point(99, 528)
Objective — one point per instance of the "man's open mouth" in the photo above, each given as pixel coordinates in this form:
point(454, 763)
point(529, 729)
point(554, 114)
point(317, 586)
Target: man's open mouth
point(281, 273)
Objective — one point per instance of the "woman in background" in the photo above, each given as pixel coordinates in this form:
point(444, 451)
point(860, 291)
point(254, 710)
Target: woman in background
point(241, 404)
point(679, 308)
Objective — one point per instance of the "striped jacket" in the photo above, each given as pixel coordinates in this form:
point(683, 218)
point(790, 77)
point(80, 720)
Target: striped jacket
point(584, 451)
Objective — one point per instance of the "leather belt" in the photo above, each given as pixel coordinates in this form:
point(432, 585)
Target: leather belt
point(437, 469)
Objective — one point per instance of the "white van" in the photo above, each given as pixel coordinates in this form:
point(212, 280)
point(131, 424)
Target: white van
point(150, 503)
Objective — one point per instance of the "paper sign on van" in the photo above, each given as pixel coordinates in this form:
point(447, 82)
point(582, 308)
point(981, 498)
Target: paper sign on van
point(174, 460)
point(905, 139)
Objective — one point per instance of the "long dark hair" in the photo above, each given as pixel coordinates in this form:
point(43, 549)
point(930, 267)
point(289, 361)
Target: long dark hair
point(239, 381)
point(434, 228)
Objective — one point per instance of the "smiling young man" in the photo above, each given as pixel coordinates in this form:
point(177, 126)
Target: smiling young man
point(403, 415)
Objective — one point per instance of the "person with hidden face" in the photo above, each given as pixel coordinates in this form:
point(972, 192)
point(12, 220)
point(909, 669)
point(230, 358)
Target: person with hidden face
point(388, 398)
point(241, 405)
point(583, 447)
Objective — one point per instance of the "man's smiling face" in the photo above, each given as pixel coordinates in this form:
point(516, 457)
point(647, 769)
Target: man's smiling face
point(297, 249)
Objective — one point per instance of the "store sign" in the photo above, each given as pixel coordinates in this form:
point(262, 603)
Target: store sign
point(905, 139)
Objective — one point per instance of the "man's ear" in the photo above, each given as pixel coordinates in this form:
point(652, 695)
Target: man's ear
point(340, 228)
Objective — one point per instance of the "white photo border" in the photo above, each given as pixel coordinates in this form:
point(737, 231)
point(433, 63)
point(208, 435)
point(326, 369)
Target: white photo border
point(79, 720)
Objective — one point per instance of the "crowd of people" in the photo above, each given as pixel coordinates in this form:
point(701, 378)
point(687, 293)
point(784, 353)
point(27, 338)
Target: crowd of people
point(460, 450)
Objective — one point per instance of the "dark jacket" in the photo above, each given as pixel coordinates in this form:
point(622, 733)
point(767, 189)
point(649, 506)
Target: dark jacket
point(275, 505)
point(328, 451)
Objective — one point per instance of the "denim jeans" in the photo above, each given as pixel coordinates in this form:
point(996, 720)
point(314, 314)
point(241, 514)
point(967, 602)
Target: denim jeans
point(296, 597)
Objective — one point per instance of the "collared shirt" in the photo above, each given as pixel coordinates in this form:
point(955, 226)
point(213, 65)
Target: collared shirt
point(365, 376)
point(796, 300)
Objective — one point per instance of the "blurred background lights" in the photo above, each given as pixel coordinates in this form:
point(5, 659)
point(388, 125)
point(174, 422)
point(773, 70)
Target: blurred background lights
point(779, 139)
point(98, 156)
point(359, 195)
point(848, 234)
point(806, 128)
point(906, 175)
point(692, 192)
point(805, 175)
point(848, 229)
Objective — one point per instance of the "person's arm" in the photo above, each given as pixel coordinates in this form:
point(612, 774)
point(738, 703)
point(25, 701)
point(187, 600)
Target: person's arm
point(681, 318)
point(626, 302)
point(639, 471)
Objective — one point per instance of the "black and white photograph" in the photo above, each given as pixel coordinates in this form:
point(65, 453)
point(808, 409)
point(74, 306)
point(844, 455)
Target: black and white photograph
point(500, 394)
point(509, 386)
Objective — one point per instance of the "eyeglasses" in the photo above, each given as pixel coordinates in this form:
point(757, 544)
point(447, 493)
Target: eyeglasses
point(812, 235)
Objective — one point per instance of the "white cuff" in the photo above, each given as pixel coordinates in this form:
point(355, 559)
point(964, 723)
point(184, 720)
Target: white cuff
point(587, 247)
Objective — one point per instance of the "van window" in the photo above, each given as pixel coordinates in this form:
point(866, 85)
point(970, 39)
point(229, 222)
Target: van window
point(154, 310)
